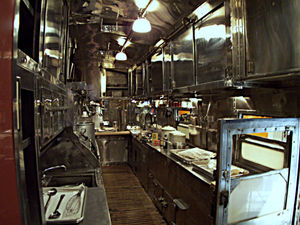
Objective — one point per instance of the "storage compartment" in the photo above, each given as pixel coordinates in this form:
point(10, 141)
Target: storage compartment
point(157, 73)
point(183, 59)
point(272, 37)
point(211, 51)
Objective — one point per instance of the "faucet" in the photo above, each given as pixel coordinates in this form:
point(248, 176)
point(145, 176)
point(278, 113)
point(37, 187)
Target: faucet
point(53, 168)
point(43, 179)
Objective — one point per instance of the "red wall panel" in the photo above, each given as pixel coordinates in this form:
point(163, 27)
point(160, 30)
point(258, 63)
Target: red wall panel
point(9, 209)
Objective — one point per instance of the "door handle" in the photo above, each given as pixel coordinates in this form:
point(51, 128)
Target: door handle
point(18, 102)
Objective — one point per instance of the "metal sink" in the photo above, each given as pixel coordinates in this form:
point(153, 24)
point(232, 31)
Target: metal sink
point(89, 179)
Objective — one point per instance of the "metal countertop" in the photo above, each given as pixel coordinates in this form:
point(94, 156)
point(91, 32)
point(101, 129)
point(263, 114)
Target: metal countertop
point(189, 168)
point(96, 208)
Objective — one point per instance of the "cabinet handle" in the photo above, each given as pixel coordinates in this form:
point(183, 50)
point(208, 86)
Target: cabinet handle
point(180, 204)
point(18, 101)
point(164, 204)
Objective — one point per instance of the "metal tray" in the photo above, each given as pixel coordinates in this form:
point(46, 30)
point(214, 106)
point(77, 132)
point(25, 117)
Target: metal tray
point(70, 213)
point(174, 153)
point(188, 161)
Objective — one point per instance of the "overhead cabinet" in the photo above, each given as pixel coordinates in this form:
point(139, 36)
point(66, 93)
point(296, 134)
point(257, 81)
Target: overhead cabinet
point(211, 49)
point(157, 72)
point(182, 59)
point(53, 38)
point(227, 44)
point(272, 38)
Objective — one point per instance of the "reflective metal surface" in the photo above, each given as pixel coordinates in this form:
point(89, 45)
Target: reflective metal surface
point(167, 81)
point(183, 57)
point(52, 107)
point(55, 38)
point(210, 37)
point(272, 37)
point(113, 149)
point(157, 72)
point(27, 63)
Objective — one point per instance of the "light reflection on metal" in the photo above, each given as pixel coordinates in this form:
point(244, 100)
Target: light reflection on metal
point(122, 40)
point(159, 43)
point(209, 32)
point(141, 25)
point(120, 30)
point(157, 58)
point(103, 82)
point(202, 10)
point(121, 56)
point(143, 3)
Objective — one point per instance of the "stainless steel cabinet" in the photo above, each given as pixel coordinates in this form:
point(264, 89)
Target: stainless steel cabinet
point(211, 49)
point(183, 59)
point(272, 38)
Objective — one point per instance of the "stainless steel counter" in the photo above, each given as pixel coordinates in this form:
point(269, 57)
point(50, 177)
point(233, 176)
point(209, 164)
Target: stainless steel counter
point(96, 208)
point(166, 180)
point(189, 168)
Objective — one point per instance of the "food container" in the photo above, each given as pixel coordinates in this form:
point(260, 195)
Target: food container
point(176, 137)
point(166, 130)
point(194, 134)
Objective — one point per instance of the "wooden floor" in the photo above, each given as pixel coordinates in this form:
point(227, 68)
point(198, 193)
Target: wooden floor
point(127, 201)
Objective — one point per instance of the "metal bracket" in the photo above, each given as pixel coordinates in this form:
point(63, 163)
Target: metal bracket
point(226, 174)
point(224, 198)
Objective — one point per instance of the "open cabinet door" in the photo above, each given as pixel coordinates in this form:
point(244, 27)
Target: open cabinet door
point(265, 196)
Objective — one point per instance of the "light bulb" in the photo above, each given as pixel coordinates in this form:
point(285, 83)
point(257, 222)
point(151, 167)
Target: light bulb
point(141, 3)
point(141, 25)
point(121, 56)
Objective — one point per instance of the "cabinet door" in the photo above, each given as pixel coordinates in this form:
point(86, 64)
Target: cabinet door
point(157, 194)
point(211, 51)
point(168, 208)
point(272, 37)
point(142, 164)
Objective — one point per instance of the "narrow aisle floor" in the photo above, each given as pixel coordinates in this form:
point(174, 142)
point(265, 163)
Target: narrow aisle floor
point(127, 200)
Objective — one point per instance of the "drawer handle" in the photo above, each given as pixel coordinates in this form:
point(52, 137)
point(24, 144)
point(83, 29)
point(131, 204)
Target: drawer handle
point(180, 204)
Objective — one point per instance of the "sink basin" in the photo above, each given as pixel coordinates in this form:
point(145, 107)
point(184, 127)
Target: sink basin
point(89, 179)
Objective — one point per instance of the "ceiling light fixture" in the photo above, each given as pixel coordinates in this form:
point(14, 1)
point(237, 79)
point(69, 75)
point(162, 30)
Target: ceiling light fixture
point(121, 56)
point(141, 25)
point(141, 3)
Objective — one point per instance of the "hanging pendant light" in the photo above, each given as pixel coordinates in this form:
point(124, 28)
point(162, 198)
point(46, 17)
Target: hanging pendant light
point(121, 56)
point(141, 25)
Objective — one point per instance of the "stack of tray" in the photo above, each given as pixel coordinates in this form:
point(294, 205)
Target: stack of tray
point(188, 156)
point(71, 207)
